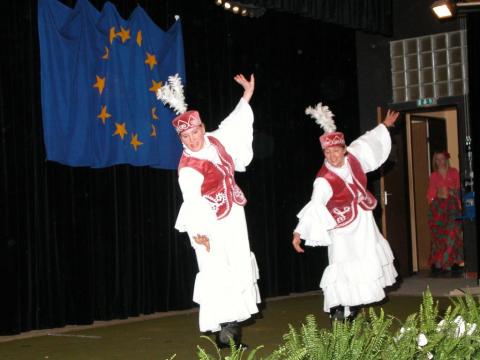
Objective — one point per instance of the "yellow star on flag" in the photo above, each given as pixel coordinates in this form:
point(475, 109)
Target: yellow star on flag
point(151, 60)
point(100, 84)
point(103, 114)
point(105, 55)
point(154, 131)
point(139, 38)
point(154, 113)
point(135, 142)
point(124, 34)
point(120, 130)
point(112, 35)
point(155, 86)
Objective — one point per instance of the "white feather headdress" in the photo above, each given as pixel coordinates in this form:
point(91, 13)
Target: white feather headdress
point(171, 94)
point(323, 117)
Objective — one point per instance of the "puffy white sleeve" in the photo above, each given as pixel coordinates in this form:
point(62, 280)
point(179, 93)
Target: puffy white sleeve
point(372, 148)
point(236, 134)
point(314, 219)
point(195, 215)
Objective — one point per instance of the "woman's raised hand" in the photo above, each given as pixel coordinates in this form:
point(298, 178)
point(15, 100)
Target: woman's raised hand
point(248, 85)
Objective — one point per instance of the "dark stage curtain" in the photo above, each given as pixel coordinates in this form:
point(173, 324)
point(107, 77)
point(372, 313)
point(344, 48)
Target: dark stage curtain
point(368, 15)
point(473, 37)
point(80, 244)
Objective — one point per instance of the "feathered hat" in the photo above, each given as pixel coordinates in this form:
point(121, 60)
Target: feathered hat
point(171, 94)
point(324, 117)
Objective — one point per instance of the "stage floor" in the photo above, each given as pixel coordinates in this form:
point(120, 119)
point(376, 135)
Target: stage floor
point(159, 336)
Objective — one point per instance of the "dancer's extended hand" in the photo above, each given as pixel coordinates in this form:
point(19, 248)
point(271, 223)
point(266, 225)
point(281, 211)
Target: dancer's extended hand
point(390, 118)
point(248, 85)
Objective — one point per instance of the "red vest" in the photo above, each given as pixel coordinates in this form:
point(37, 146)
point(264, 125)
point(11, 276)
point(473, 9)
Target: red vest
point(343, 203)
point(218, 186)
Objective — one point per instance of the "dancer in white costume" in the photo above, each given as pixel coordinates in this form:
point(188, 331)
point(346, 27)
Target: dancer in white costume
point(339, 215)
point(212, 213)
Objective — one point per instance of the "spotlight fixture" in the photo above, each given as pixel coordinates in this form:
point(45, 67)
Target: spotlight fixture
point(444, 9)
point(241, 9)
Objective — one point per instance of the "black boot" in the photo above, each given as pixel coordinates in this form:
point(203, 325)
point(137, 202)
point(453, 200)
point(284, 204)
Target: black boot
point(354, 310)
point(337, 313)
point(230, 330)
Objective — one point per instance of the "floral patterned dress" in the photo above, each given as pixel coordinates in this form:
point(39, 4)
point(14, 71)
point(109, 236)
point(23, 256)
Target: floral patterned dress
point(444, 220)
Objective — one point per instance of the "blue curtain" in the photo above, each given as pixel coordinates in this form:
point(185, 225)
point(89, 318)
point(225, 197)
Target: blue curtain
point(99, 73)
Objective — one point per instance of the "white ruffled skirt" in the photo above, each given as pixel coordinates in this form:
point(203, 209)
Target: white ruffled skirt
point(226, 284)
point(360, 264)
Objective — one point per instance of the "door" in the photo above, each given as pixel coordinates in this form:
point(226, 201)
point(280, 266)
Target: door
point(426, 135)
point(394, 197)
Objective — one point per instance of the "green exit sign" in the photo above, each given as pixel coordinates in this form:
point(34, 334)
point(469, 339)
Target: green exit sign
point(426, 102)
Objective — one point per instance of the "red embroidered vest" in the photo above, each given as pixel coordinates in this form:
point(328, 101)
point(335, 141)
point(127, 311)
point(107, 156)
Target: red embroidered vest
point(218, 186)
point(346, 196)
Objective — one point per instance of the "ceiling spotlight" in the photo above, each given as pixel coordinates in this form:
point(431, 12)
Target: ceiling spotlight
point(244, 12)
point(227, 5)
point(443, 9)
point(235, 9)
point(218, 2)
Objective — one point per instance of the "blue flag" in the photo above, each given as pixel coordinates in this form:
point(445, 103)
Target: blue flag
point(99, 76)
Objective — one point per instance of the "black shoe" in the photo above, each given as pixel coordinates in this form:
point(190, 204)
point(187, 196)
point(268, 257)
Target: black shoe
point(231, 330)
point(222, 345)
point(354, 310)
point(337, 313)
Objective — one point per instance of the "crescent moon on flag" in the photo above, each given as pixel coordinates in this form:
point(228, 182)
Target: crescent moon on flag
point(154, 113)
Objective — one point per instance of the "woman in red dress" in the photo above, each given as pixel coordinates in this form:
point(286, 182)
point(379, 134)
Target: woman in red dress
point(444, 214)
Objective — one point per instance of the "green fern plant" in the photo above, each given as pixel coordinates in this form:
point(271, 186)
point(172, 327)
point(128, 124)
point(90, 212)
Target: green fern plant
point(423, 335)
point(236, 353)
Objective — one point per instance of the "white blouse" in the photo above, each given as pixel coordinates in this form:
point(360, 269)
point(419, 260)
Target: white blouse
point(235, 133)
point(315, 222)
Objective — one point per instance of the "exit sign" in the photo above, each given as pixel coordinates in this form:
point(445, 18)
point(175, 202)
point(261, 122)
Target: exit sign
point(426, 102)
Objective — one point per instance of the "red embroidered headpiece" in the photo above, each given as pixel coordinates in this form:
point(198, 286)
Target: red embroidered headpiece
point(332, 139)
point(324, 117)
point(186, 121)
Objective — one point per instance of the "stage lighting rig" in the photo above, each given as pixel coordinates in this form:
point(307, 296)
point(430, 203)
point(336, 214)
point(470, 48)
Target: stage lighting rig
point(241, 9)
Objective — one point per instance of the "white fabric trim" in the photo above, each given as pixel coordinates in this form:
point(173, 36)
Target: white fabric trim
point(236, 135)
point(196, 215)
point(315, 219)
point(372, 148)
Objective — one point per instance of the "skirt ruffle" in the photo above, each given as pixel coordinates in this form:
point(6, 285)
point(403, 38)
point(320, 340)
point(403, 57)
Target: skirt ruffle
point(359, 281)
point(224, 296)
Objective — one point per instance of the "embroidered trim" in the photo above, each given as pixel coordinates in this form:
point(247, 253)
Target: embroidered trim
point(352, 206)
point(229, 192)
point(366, 201)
